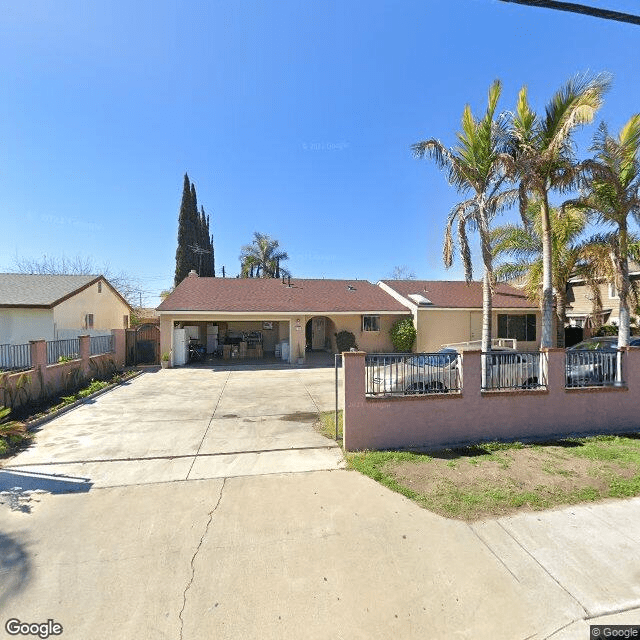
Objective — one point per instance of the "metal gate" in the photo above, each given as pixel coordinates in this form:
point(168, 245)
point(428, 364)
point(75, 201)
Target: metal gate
point(143, 345)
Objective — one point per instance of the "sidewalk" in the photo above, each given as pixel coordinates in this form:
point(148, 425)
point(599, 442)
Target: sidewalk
point(326, 554)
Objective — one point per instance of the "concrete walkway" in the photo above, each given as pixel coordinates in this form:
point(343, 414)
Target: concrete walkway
point(124, 552)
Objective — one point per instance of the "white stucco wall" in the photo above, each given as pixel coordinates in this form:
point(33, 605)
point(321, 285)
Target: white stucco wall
point(19, 326)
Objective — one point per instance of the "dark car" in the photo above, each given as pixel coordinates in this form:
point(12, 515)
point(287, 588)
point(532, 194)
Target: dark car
point(594, 362)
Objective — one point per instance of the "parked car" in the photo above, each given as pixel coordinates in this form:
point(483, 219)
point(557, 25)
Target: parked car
point(440, 372)
point(594, 362)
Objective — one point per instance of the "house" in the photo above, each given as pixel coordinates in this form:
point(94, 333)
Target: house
point(308, 313)
point(303, 313)
point(450, 312)
point(54, 307)
point(581, 298)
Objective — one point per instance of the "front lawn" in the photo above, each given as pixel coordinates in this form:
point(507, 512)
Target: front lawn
point(496, 479)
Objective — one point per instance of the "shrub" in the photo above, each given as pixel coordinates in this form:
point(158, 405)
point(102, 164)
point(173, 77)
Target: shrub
point(606, 330)
point(403, 334)
point(345, 341)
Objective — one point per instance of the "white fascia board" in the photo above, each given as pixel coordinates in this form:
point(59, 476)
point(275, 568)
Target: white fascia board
point(279, 314)
point(398, 296)
point(493, 309)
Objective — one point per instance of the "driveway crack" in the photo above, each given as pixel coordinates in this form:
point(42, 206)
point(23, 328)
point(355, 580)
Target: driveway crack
point(193, 558)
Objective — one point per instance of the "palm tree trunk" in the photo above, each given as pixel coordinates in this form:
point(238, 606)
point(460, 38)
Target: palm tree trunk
point(561, 316)
point(486, 322)
point(624, 328)
point(547, 281)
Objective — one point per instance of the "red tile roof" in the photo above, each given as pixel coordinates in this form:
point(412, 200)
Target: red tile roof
point(460, 295)
point(268, 294)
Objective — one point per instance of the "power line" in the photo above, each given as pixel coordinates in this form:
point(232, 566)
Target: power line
point(572, 7)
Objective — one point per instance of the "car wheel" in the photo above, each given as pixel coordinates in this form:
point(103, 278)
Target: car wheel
point(437, 387)
point(531, 383)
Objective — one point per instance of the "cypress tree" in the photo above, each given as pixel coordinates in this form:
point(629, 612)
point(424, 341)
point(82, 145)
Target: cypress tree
point(183, 257)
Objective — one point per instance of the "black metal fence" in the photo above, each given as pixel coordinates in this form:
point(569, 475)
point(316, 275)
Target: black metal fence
point(393, 374)
point(101, 344)
point(513, 370)
point(15, 357)
point(63, 350)
point(591, 368)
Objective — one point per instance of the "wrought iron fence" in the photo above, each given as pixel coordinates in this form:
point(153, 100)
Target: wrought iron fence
point(392, 374)
point(61, 350)
point(593, 368)
point(513, 370)
point(101, 344)
point(15, 357)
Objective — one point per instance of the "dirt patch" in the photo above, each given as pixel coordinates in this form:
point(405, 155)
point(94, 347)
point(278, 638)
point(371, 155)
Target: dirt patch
point(504, 482)
point(300, 416)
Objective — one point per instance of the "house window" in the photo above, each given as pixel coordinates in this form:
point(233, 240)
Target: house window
point(88, 321)
point(371, 323)
point(125, 322)
point(99, 287)
point(521, 327)
point(613, 291)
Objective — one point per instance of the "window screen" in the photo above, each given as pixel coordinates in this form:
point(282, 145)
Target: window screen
point(521, 327)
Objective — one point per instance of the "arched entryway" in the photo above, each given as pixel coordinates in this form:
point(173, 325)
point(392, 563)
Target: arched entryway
point(318, 334)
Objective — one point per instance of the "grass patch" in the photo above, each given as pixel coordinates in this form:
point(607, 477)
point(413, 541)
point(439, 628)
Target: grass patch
point(326, 425)
point(497, 479)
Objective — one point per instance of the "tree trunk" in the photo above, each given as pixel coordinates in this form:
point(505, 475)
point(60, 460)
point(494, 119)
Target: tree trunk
point(547, 280)
point(622, 267)
point(486, 322)
point(561, 317)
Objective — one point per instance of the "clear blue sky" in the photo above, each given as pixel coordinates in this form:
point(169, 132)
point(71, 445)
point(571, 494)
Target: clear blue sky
point(293, 118)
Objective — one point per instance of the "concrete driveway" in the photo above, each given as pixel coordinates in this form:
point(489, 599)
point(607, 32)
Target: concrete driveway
point(184, 424)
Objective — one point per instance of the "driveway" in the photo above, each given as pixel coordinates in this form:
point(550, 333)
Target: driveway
point(185, 424)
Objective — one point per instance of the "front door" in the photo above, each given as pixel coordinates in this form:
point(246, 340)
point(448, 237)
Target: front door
point(476, 325)
point(317, 333)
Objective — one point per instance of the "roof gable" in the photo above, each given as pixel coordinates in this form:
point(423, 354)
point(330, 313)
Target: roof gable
point(44, 290)
point(457, 294)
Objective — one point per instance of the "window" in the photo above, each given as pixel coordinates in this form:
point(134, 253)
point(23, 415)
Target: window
point(125, 322)
point(371, 323)
point(522, 327)
point(88, 321)
point(99, 287)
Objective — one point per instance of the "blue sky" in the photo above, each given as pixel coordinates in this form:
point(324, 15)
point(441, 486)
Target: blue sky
point(293, 118)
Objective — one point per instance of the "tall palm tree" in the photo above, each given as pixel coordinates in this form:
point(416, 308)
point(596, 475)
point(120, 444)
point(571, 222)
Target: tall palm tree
point(544, 161)
point(263, 258)
point(475, 167)
point(571, 256)
point(613, 194)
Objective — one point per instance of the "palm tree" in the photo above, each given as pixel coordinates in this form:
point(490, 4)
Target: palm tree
point(262, 258)
point(544, 161)
point(613, 194)
point(475, 167)
point(571, 256)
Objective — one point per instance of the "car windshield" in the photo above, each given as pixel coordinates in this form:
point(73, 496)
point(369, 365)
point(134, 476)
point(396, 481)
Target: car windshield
point(596, 345)
point(442, 358)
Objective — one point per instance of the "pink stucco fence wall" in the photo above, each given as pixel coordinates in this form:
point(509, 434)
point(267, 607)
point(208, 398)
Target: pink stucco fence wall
point(439, 420)
point(43, 379)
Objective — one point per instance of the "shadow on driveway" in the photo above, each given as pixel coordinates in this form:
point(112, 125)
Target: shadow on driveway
point(15, 567)
point(37, 481)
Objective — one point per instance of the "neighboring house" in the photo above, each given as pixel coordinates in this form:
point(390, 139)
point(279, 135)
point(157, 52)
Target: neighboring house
point(451, 312)
point(580, 301)
point(53, 307)
point(308, 313)
point(302, 312)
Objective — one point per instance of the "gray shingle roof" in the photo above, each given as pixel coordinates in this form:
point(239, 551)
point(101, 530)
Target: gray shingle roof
point(19, 289)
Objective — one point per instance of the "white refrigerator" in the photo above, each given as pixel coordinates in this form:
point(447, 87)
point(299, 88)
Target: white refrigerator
point(212, 338)
point(180, 348)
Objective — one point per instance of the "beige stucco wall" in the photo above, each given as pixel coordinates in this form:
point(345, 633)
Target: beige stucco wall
point(439, 327)
point(107, 308)
point(369, 341)
point(19, 326)
point(579, 301)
